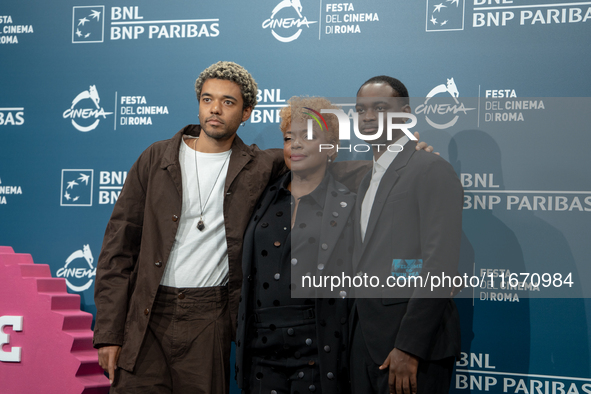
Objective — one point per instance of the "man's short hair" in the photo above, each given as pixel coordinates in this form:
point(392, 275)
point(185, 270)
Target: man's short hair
point(394, 83)
point(230, 71)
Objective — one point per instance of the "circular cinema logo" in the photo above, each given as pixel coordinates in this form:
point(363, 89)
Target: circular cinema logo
point(78, 270)
point(85, 111)
point(443, 112)
point(286, 27)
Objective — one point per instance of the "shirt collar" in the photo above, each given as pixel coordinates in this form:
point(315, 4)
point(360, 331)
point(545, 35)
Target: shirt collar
point(318, 195)
point(388, 157)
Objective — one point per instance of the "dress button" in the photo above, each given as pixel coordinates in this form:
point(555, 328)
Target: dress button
point(343, 320)
point(320, 266)
point(265, 225)
point(146, 311)
point(324, 246)
point(300, 374)
point(311, 362)
point(343, 204)
point(277, 276)
point(273, 391)
point(279, 213)
point(343, 294)
point(158, 264)
point(330, 375)
point(175, 218)
point(181, 296)
point(308, 341)
point(277, 244)
point(335, 214)
point(294, 261)
point(290, 331)
point(327, 349)
point(333, 223)
point(312, 388)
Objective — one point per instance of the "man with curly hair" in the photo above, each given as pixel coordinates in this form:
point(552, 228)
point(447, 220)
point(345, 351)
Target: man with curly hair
point(169, 273)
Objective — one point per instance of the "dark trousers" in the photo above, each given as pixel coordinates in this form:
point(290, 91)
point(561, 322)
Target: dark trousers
point(433, 377)
point(284, 352)
point(186, 348)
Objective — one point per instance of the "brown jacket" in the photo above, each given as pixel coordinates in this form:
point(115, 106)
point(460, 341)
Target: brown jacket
point(142, 230)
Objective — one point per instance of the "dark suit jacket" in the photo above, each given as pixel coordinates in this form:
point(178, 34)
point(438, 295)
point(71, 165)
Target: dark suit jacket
point(416, 214)
point(331, 313)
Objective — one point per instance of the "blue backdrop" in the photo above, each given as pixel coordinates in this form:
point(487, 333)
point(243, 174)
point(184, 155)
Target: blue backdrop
point(85, 87)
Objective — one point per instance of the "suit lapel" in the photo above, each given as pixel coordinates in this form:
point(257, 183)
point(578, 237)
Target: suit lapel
point(386, 185)
point(357, 222)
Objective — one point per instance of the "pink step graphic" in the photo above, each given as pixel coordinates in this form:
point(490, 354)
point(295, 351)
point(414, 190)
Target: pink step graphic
point(45, 339)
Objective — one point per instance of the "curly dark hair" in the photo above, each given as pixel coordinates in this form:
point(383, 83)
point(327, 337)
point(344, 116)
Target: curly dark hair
point(230, 71)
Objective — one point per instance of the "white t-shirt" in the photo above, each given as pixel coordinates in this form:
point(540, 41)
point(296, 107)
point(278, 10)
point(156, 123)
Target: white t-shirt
point(200, 258)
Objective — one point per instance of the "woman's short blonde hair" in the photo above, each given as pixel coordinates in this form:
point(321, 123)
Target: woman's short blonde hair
point(296, 111)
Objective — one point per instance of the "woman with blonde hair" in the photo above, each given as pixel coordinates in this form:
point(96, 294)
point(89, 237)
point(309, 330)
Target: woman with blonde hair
point(293, 338)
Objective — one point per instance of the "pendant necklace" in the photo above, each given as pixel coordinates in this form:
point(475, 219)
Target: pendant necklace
point(201, 224)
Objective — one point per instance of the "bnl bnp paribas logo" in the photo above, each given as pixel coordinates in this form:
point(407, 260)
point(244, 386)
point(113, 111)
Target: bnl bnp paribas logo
point(445, 15)
point(77, 187)
point(79, 270)
point(85, 112)
point(287, 21)
point(443, 112)
point(88, 24)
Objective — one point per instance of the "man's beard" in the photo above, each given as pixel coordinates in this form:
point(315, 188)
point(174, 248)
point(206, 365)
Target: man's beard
point(220, 134)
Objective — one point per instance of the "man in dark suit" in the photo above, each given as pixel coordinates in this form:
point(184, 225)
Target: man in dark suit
point(409, 211)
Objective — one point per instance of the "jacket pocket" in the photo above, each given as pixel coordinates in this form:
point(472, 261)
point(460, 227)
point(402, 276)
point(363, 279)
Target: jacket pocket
point(396, 295)
point(396, 197)
point(393, 301)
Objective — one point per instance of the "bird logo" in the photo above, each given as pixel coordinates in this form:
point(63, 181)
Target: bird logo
point(445, 15)
point(76, 188)
point(88, 24)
